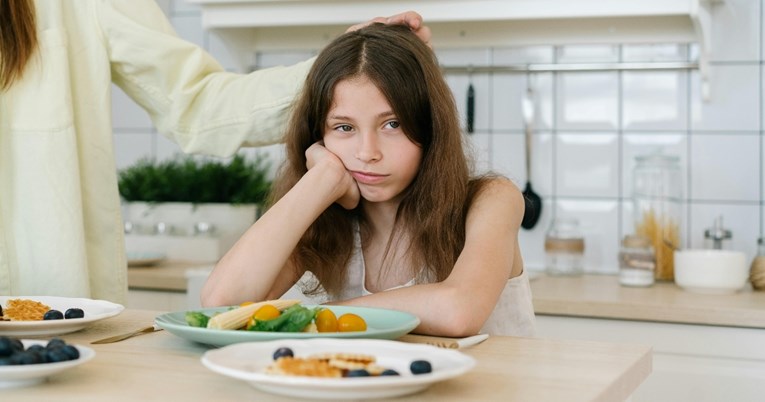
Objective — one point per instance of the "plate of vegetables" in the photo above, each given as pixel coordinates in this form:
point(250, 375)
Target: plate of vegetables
point(285, 319)
point(54, 315)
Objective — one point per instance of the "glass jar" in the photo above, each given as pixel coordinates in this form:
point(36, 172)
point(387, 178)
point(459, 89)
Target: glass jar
point(657, 198)
point(564, 247)
point(637, 261)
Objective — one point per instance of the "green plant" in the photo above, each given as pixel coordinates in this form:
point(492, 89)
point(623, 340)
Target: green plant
point(186, 179)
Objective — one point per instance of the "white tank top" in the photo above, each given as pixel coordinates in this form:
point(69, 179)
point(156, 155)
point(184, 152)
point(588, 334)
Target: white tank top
point(513, 315)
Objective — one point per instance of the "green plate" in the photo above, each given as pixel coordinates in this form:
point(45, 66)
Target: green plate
point(381, 324)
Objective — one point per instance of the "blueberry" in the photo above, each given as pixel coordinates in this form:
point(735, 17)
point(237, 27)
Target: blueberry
point(420, 367)
point(36, 348)
point(390, 372)
point(53, 315)
point(7, 346)
point(283, 352)
point(357, 373)
point(27, 358)
point(56, 355)
point(74, 313)
point(17, 345)
point(71, 351)
point(55, 343)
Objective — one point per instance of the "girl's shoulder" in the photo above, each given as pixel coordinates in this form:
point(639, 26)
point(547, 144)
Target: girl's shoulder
point(496, 188)
point(497, 198)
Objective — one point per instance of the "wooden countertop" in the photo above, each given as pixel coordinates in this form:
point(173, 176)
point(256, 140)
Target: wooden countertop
point(601, 296)
point(161, 366)
point(598, 296)
point(167, 276)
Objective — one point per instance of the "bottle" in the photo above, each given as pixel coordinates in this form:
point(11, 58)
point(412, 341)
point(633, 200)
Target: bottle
point(717, 237)
point(757, 271)
point(564, 248)
point(637, 261)
point(657, 197)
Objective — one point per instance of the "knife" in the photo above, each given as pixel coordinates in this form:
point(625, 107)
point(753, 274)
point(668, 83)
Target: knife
point(121, 337)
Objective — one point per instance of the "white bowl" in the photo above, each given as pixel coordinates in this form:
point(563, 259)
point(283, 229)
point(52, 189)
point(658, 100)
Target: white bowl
point(711, 271)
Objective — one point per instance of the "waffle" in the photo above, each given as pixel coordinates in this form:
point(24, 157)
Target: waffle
point(303, 367)
point(331, 365)
point(341, 358)
point(24, 310)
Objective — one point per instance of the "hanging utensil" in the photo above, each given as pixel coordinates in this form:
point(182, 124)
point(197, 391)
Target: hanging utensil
point(532, 200)
point(470, 107)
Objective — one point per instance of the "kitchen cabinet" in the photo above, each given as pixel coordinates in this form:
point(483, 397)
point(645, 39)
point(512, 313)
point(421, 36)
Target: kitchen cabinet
point(166, 286)
point(697, 363)
point(706, 347)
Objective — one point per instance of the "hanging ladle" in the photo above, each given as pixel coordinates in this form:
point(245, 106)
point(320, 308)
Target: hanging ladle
point(532, 200)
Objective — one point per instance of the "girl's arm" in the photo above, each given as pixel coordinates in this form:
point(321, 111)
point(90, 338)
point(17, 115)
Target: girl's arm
point(256, 268)
point(460, 305)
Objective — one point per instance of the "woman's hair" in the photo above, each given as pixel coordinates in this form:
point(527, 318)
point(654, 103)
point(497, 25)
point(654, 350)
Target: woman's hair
point(432, 212)
point(18, 39)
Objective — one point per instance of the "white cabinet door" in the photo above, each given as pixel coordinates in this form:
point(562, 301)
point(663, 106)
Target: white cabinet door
point(694, 363)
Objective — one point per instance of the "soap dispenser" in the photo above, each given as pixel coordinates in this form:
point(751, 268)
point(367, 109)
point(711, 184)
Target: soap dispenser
point(717, 237)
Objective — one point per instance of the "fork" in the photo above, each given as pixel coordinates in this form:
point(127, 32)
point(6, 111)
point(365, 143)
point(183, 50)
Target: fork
point(446, 343)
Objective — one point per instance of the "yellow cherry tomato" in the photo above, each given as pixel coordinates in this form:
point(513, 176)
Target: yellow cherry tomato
point(266, 312)
point(326, 321)
point(350, 322)
point(247, 303)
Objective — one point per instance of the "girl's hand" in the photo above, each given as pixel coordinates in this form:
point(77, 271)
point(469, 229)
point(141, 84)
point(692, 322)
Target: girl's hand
point(317, 154)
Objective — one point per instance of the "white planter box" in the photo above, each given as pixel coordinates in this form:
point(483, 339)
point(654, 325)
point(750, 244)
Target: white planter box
point(186, 231)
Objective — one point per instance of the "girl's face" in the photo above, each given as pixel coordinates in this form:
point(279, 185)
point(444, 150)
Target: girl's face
point(363, 132)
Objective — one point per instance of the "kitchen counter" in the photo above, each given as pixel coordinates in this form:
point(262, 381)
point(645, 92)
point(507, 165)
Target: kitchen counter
point(166, 276)
point(601, 296)
point(594, 296)
point(161, 366)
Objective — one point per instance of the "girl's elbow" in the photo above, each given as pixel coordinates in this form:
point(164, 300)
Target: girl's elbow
point(461, 322)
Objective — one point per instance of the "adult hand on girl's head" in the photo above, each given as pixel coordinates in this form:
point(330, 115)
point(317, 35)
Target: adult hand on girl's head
point(409, 18)
point(316, 154)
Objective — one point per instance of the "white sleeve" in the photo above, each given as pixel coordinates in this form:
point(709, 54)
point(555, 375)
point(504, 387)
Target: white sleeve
point(188, 95)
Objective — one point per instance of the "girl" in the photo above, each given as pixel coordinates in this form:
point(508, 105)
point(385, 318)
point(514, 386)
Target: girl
point(376, 204)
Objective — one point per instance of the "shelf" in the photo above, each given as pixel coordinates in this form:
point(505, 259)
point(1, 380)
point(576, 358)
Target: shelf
point(252, 25)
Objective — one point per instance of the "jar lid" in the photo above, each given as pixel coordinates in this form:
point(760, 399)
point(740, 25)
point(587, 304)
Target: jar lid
point(635, 241)
point(570, 245)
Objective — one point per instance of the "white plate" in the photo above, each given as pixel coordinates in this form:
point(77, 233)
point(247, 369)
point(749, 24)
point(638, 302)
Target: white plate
point(30, 374)
point(95, 310)
point(247, 361)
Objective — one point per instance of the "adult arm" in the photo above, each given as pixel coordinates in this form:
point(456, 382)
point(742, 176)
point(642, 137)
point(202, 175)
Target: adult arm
point(188, 95)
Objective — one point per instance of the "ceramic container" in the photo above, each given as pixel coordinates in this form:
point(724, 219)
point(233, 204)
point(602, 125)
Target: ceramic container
point(711, 271)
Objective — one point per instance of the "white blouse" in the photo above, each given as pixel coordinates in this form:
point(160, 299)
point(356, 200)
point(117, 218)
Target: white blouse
point(61, 230)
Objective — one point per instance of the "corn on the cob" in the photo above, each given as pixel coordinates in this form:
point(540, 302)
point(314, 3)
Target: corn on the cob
point(237, 318)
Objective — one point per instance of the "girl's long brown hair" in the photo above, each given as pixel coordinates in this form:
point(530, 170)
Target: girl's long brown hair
point(18, 39)
point(432, 212)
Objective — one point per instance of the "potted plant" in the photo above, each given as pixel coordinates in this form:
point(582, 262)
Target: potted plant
point(188, 197)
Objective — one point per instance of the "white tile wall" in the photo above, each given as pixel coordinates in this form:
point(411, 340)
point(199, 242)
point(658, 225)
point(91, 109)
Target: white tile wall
point(725, 167)
point(588, 129)
point(735, 99)
point(588, 101)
